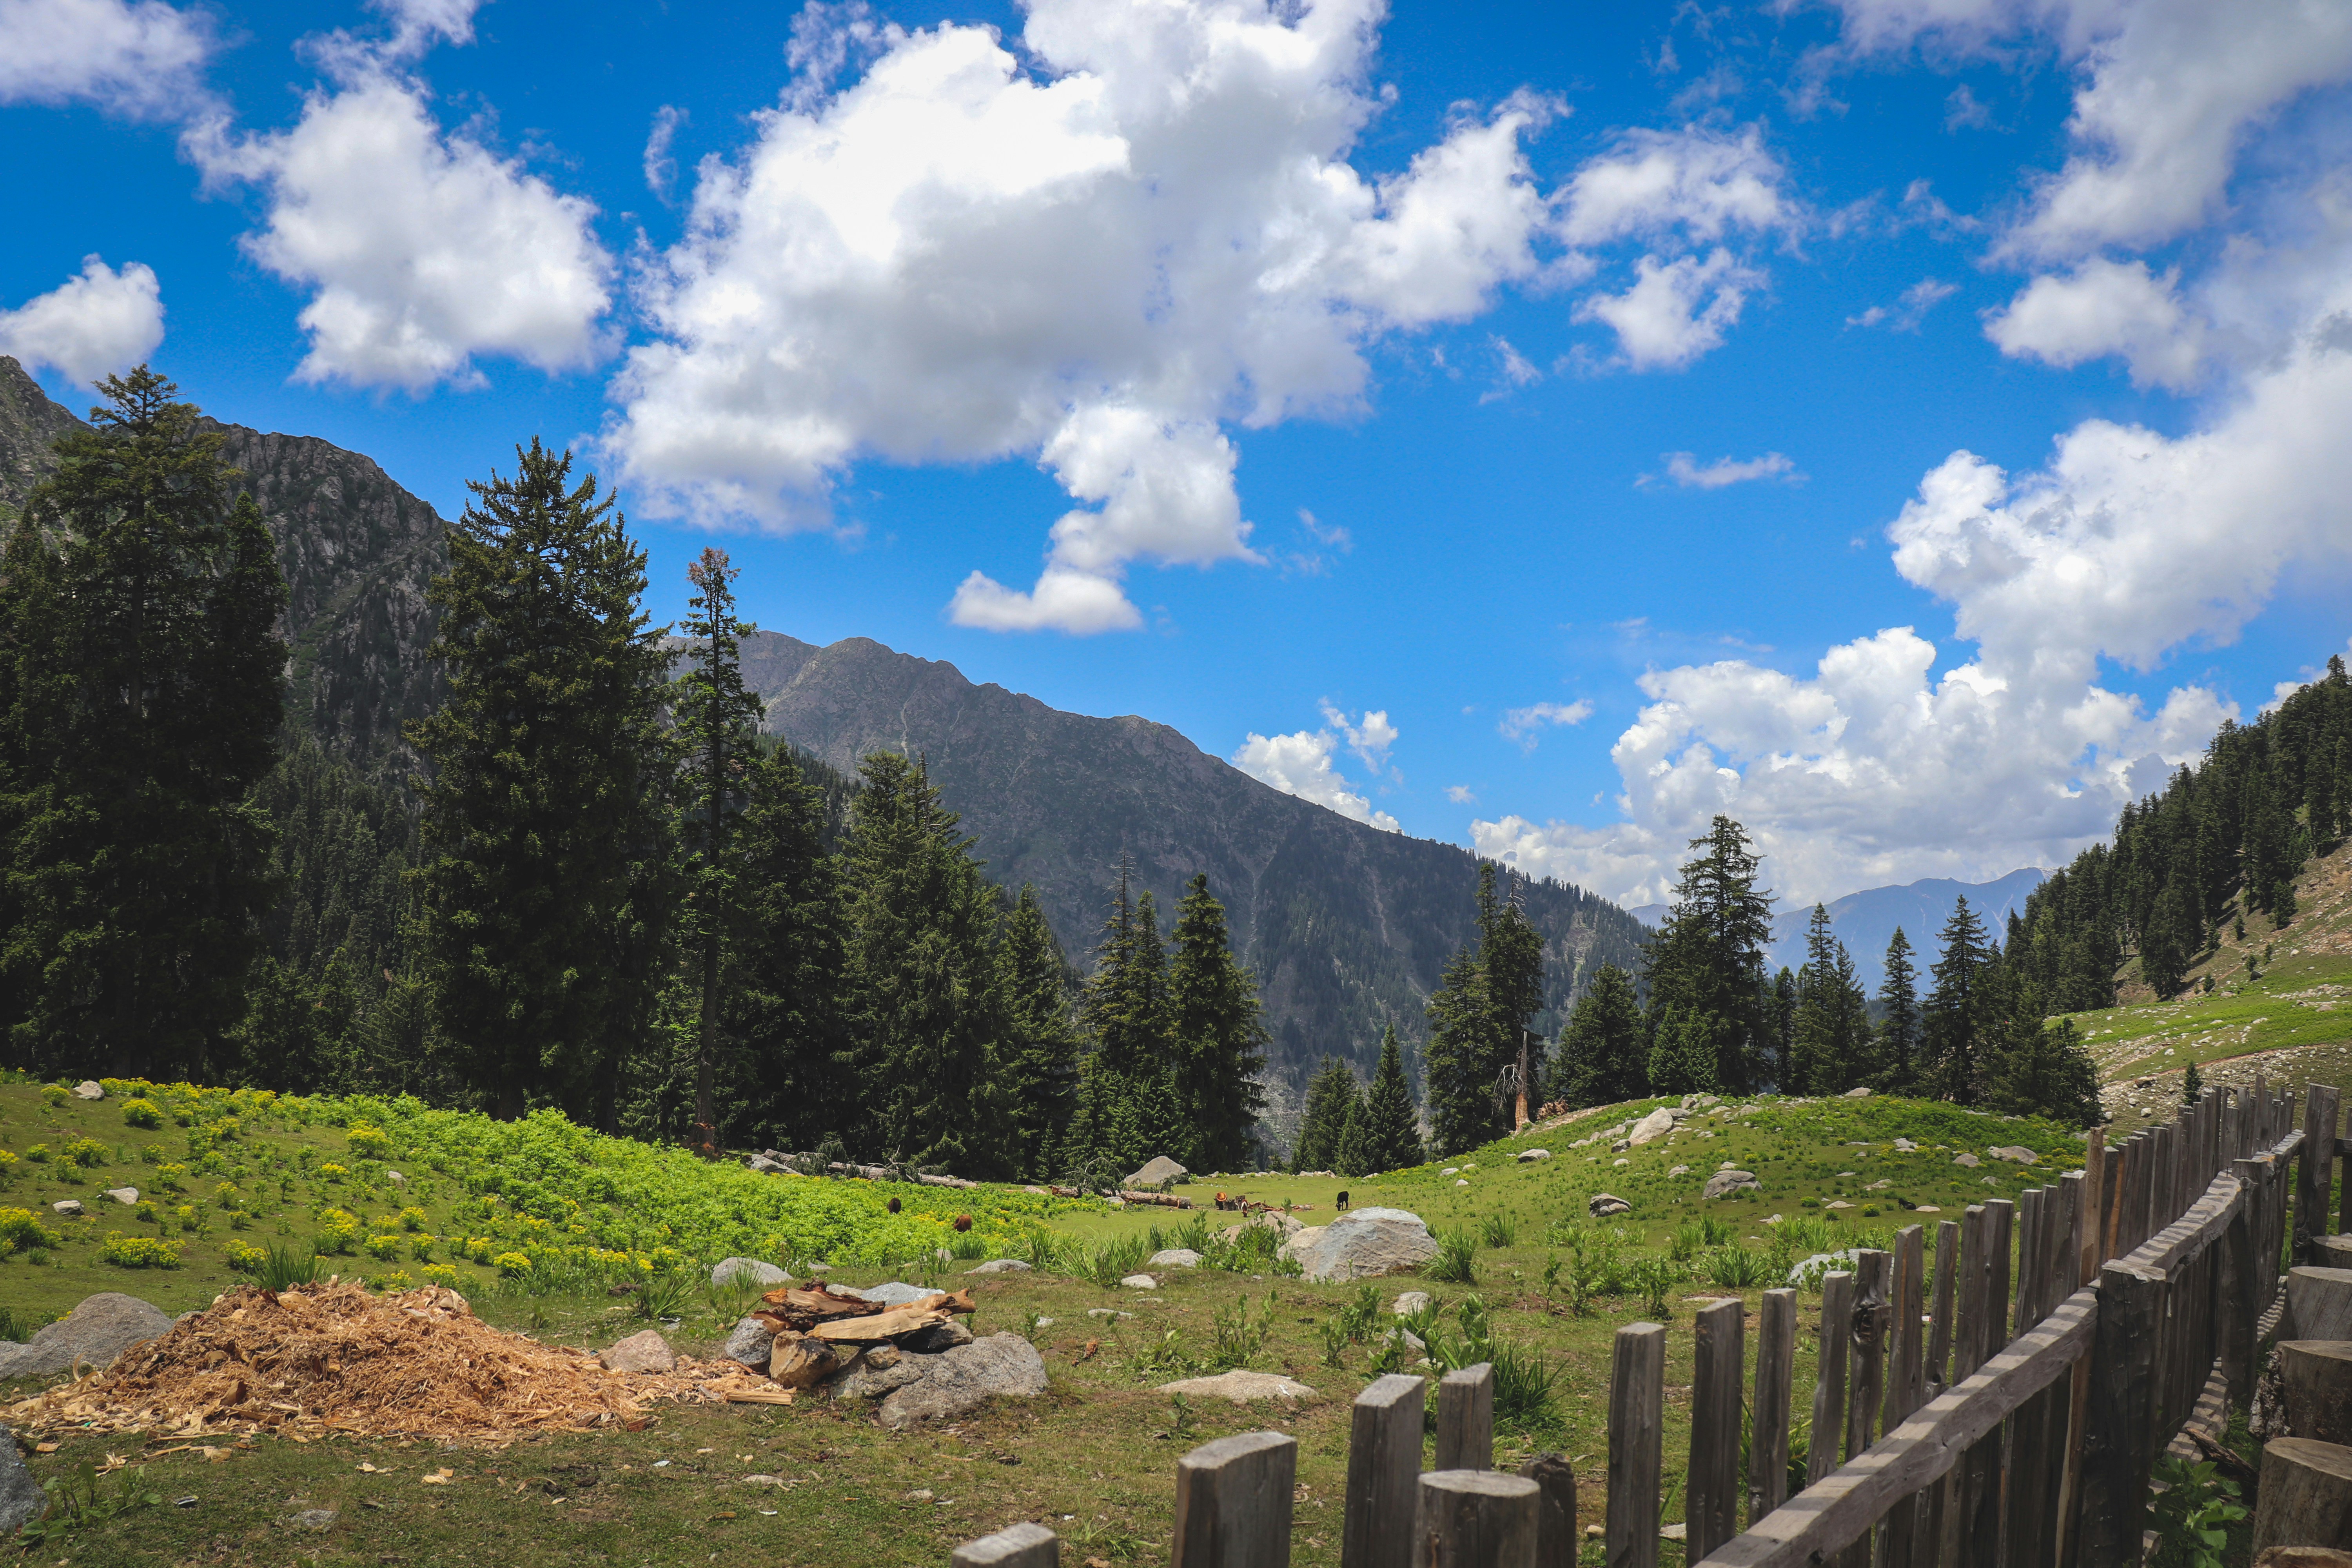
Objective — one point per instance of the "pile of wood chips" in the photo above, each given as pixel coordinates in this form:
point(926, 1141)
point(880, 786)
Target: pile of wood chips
point(334, 1358)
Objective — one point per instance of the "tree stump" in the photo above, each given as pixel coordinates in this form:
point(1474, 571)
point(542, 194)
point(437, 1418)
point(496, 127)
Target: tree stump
point(2306, 1497)
point(2318, 1304)
point(2318, 1375)
point(2304, 1557)
point(2332, 1251)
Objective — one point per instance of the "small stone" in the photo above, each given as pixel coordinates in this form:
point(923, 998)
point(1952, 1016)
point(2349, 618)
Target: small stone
point(882, 1357)
point(123, 1195)
point(1837, 1203)
point(1176, 1257)
point(1450, 1169)
point(751, 1343)
point(1842, 1174)
point(1107, 1312)
point(69, 1208)
point(1140, 1282)
point(1408, 1302)
point(1621, 1160)
point(937, 1337)
point(316, 1518)
point(2016, 1155)
point(1905, 1146)
point(1853, 1094)
point(89, 1089)
point(1682, 1531)
point(1926, 1208)
point(1728, 1164)
point(1968, 1160)
point(1596, 1532)
point(1992, 1181)
point(1001, 1265)
point(1879, 1186)
point(1462, 1182)
point(920, 1494)
point(747, 1271)
point(1241, 1387)
point(645, 1350)
point(895, 1293)
point(1526, 1155)
point(1679, 1171)
point(1723, 1184)
point(1603, 1204)
point(819, 1268)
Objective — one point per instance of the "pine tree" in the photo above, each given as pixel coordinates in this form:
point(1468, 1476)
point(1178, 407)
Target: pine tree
point(1603, 1056)
point(1706, 965)
point(787, 1056)
point(922, 966)
point(1460, 1089)
point(548, 883)
point(1899, 1026)
point(1331, 1098)
point(1127, 1112)
point(1220, 1040)
point(1479, 1023)
point(2044, 1068)
point(1954, 1020)
point(1041, 1049)
point(141, 694)
point(2192, 1087)
point(718, 721)
point(1780, 1021)
point(1382, 1135)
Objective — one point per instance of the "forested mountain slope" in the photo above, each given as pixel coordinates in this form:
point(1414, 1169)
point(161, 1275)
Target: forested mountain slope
point(1348, 927)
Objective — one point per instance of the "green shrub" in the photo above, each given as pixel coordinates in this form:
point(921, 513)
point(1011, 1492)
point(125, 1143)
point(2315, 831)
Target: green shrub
point(143, 1113)
point(339, 1233)
point(55, 1095)
point(20, 1231)
point(512, 1264)
point(369, 1142)
point(1457, 1262)
point(1236, 1338)
point(1736, 1268)
point(138, 1251)
point(38, 1154)
point(87, 1152)
point(1500, 1230)
point(385, 1247)
point(172, 1178)
point(444, 1274)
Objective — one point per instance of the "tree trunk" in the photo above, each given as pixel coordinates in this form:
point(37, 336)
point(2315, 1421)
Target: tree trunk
point(2305, 1498)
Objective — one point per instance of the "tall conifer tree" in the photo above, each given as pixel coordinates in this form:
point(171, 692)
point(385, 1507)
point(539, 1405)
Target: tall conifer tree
point(1478, 1021)
point(1707, 969)
point(1603, 1056)
point(548, 883)
point(1955, 1018)
point(141, 694)
point(1382, 1134)
point(1040, 1051)
point(1219, 1039)
point(1331, 1098)
point(1898, 1024)
point(788, 1052)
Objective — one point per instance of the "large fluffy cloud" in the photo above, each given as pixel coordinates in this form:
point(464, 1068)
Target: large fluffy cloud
point(1300, 765)
point(99, 322)
point(1102, 249)
point(2105, 307)
point(2127, 545)
point(144, 58)
point(422, 248)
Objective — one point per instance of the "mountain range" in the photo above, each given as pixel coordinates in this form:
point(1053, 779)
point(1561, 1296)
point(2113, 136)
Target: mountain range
point(1348, 927)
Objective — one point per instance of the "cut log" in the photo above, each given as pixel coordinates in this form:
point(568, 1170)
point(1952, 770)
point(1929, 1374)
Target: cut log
point(800, 1363)
point(2332, 1251)
point(2318, 1304)
point(2305, 1498)
point(2318, 1375)
point(2304, 1557)
point(886, 1325)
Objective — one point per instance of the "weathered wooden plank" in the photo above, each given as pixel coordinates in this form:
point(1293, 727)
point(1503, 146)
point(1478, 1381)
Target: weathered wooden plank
point(2196, 1229)
point(1556, 1541)
point(1776, 1373)
point(1023, 1545)
point(1383, 1474)
point(1465, 1419)
point(2029, 1258)
point(2316, 1173)
point(2086, 1253)
point(1637, 1399)
point(1874, 1273)
point(1711, 1506)
point(2111, 1189)
point(1906, 1384)
point(1981, 1519)
point(2119, 1440)
point(1233, 1502)
point(1829, 1385)
point(1938, 1368)
point(1476, 1519)
point(1832, 1513)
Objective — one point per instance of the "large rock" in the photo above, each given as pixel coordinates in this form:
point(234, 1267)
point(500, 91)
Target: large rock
point(21, 1498)
point(747, 1271)
point(1176, 1257)
point(127, 1197)
point(1362, 1243)
point(1652, 1128)
point(101, 1328)
point(1603, 1204)
point(750, 1344)
point(1162, 1169)
point(1241, 1387)
point(1001, 1265)
point(1525, 1155)
point(1723, 1184)
point(2016, 1155)
point(69, 1208)
point(89, 1089)
point(953, 1382)
point(1140, 1282)
point(646, 1351)
point(937, 1337)
point(1408, 1302)
point(896, 1293)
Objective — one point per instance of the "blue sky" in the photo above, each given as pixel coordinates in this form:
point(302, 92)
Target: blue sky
point(1594, 395)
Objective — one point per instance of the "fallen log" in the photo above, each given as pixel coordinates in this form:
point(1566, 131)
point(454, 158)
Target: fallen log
point(2318, 1377)
point(2305, 1498)
point(886, 1325)
point(1162, 1200)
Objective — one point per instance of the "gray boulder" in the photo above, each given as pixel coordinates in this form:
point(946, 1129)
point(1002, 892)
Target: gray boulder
point(89, 1088)
point(895, 1293)
point(1176, 1257)
point(1525, 1155)
point(1162, 1169)
point(962, 1379)
point(69, 1208)
point(1723, 1184)
point(101, 1328)
point(126, 1196)
point(2016, 1155)
point(21, 1498)
point(1362, 1243)
point(937, 1338)
point(1140, 1282)
point(1603, 1204)
point(1970, 1161)
point(747, 1271)
point(750, 1344)
point(1652, 1128)
point(1241, 1387)
point(1001, 1265)
point(1410, 1302)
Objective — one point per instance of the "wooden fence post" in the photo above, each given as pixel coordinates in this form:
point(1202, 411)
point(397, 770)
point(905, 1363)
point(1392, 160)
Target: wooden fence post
point(2315, 1168)
point(1557, 1542)
point(1940, 1329)
point(1980, 1512)
point(1383, 1474)
point(1829, 1385)
point(1637, 1399)
point(1233, 1502)
point(1014, 1546)
point(1906, 1384)
point(1872, 1271)
point(2119, 1440)
point(2236, 1307)
point(1465, 1419)
point(1477, 1519)
point(1776, 1376)
point(1711, 1499)
point(2091, 1243)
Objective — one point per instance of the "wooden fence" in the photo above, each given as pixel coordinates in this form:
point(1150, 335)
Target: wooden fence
point(2003, 1412)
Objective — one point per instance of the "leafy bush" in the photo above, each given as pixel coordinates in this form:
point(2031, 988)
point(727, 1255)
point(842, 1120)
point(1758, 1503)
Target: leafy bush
point(1654, 1278)
point(87, 1152)
point(385, 1245)
point(1735, 1268)
point(412, 1218)
point(143, 1113)
point(339, 1233)
point(1457, 1262)
point(38, 1154)
point(2194, 1515)
point(244, 1257)
point(421, 1246)
point(20, 1231)
point(444, 1274)
point(55, 1095)
point(1108, 1262)
point(172, 1178)
point(331, 1172)
point(138, 1251)
point(512, 1264)
point(1236, 1338)
point(369, 1142)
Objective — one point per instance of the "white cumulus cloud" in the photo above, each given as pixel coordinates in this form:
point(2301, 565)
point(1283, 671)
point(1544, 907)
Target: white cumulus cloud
point(101, 321)
point(1676, 310)
point(1369, 739)
point(2104, 308)
point(136, 58)
point(1697, 182)
point(1688, 472)
point(1097, 251)
point(1525, 724)
point(1300, 765)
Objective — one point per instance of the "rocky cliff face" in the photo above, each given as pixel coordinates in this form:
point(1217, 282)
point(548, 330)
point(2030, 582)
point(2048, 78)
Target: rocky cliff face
point(357, 551)
point(1349, 928)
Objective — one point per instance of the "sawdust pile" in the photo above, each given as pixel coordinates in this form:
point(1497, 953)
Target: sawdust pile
point(333, 1358)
